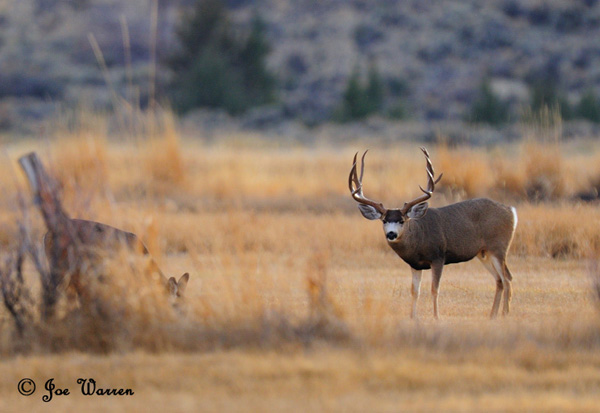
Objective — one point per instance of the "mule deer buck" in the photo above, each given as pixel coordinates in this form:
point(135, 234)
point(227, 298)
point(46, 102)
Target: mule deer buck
point(433, 237)
point(97, 241)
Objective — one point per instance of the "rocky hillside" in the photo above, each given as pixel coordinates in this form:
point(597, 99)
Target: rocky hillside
point(432, 55)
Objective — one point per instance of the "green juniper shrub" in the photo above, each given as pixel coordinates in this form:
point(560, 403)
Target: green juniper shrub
point(589, 107)
point(216, 67)
point(359, 100)
point(487, 107)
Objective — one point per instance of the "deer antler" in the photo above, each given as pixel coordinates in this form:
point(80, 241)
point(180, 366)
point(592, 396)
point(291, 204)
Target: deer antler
point(355, 185)
point(431, 181)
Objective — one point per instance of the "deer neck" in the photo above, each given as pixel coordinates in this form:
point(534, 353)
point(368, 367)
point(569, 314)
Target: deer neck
point(412, 245)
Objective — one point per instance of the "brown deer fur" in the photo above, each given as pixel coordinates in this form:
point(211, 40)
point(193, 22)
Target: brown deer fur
point(454, 233)
point(95, 240)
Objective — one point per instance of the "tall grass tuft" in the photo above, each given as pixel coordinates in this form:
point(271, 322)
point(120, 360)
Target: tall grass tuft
point(556, 231)
point(164, 160)
point(79, 158)
point(467, 173)
point(542, 156)
point(325, 318)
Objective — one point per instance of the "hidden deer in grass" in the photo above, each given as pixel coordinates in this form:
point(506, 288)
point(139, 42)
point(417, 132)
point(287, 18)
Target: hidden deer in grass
point(429, 238)
point(77, 249)
point(104, 241)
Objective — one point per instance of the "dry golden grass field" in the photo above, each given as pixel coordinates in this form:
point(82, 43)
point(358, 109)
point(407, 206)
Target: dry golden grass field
point(295, 302)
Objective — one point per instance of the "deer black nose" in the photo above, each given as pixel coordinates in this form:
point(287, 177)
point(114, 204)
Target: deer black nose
point(391, 235)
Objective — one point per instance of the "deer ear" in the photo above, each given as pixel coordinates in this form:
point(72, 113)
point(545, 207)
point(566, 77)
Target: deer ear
point(172, 285)
point(369, 212)
point(182, 283)
point(418, 211)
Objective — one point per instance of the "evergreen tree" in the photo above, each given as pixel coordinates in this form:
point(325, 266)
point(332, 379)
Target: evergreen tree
point(375, 89)
point(259, 82)
point(355, 100)
point(214, 68)
point(589, 107)
point(545, 94)
point(206, 25)
point(358, 100)
point(488, 108)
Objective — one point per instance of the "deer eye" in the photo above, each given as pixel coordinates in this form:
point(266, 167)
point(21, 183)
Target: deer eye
point(396, 221)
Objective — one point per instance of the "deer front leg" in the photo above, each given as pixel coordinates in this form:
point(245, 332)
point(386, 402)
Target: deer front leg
point(436, 275)
point(415, 290)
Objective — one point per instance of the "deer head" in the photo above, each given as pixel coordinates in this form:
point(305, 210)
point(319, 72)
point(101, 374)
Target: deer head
point(177, 288)
point(394, 220)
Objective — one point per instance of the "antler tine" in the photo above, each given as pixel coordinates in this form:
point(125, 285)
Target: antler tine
point(354, 182)
point(429, 191)
point(431, 181)
point(351, 177)
point(357, 193)
point(362, 165)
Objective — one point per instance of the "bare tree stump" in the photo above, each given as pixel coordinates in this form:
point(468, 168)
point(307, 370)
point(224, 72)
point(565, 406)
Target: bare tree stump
point(64, 256)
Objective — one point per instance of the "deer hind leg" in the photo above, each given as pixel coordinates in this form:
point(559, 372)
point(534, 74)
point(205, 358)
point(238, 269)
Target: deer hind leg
point(487, 260)
point(502, 270)
point(415, 290)
point(436, 275)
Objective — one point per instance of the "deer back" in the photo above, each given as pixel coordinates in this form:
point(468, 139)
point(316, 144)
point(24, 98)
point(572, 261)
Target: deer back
point(95, 234)
point(94, 242)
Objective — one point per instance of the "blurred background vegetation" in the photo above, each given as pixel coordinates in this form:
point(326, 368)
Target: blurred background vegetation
point(292, 64)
